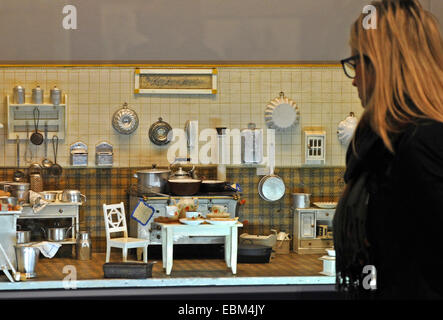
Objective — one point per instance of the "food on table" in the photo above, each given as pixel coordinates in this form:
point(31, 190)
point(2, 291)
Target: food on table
point(4, 194)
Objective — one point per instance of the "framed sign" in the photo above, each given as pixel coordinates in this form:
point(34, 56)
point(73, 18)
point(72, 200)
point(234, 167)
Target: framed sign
point(176, 81)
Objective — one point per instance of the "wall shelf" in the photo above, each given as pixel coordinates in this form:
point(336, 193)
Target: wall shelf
point(21, 119)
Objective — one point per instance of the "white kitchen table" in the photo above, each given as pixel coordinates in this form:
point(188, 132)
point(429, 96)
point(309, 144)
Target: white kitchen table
point(171, 230)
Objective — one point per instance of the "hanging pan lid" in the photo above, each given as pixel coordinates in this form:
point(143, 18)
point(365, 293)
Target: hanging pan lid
point(160, 132)
point(125, 120)
point(281, 113)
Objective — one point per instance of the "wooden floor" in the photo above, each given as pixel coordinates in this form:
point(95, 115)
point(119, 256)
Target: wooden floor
point(281, 265)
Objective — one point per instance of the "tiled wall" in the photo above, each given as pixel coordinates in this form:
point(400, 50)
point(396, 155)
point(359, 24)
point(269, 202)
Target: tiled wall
point(323, 94)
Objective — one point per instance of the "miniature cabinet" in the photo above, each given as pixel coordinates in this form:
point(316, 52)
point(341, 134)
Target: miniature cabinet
point(312, 230)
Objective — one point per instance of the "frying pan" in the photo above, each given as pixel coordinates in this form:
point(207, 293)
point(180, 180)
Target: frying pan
point(56, 169)
point(271, 187)
point(36, 137)
point(216, 186)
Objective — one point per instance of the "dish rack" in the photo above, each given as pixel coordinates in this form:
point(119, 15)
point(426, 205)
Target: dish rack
point(21, 119)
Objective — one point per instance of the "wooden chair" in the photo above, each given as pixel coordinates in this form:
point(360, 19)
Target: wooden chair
point(115, 221)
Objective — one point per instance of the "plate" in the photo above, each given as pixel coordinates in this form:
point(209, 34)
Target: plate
point(218, 215)
point(326, 205)
point(222, 221)
point(192, 222)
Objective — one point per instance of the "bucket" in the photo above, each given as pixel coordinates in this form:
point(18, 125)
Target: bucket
point(301, 200)
point(27, 258)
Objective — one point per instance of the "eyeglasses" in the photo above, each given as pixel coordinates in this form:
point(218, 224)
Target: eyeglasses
point(350, 64)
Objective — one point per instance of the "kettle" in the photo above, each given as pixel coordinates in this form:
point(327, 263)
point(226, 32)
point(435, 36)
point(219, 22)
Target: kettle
point(180, 173)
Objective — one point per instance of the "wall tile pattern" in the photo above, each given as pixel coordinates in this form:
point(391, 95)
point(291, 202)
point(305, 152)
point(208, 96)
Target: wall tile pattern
point(323, 94)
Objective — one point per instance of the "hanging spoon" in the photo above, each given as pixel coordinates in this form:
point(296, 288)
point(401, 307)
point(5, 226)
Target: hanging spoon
point(18, 174)
point(28, 152)
point(46, 163)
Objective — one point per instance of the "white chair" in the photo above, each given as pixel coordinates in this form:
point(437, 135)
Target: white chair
point(115, 221)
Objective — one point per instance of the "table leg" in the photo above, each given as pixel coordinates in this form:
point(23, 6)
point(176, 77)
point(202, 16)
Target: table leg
point(234, 240)
point(228, 249)
point(169, 247)
point(163, 237)
point(74, 233)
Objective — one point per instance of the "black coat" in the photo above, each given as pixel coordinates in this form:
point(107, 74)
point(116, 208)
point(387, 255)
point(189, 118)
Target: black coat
point(405, 209)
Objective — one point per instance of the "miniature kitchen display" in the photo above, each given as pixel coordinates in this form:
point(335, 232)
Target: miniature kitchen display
point(233, 182)
point(175, 211)
point(179, 218)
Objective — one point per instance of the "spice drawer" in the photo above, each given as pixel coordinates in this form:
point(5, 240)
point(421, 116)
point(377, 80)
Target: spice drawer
point(316, 243)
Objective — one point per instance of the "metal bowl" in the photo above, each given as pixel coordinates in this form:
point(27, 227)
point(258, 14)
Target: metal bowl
point(50, 196)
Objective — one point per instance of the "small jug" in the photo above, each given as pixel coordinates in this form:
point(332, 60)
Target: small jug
point(83, 246)
point(187, 204)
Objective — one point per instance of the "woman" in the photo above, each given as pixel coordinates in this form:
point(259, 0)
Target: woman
point(391, 213)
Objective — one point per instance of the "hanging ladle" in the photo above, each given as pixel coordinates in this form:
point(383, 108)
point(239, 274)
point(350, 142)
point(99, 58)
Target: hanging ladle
point(18, 174)
point(36, 137)
point(46, 163)
point(55, 170)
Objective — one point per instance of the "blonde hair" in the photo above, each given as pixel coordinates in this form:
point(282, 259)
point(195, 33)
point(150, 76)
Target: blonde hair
point(406, 55)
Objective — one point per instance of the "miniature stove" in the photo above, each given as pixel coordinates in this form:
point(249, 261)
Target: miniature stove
point(152, 231)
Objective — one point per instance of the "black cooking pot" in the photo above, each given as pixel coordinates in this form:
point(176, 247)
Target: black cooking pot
point(184, 187)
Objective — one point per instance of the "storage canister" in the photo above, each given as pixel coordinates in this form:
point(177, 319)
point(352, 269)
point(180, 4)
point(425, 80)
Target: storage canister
point(19, 94)
point(301, 200)
point(37, 95)
point(79, 154)
point(36, 182)
point(55, 94)
point(104, 154)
